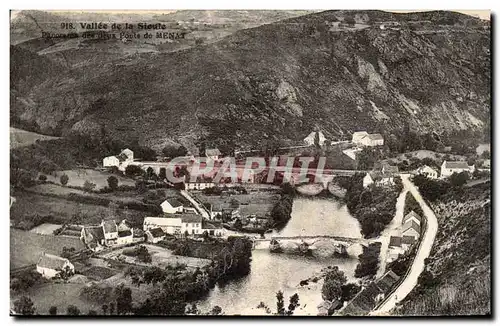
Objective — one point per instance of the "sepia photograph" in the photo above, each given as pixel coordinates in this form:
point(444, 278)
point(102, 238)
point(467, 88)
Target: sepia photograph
point(322, 163)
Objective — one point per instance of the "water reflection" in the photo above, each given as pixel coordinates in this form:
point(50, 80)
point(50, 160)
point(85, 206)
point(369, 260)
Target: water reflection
point(272, 272)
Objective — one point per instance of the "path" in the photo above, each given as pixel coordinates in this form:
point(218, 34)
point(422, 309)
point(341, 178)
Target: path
point(393, 229)
point(202, 210)
point(423, 252)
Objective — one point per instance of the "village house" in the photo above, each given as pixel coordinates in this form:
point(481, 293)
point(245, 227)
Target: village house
point(155, 235)
point(50, 266)
point(93, 237)
point(169, 225)
point(362, 139)
point(395, 248)
point(191, 224)
point(213, 228)
point(106, 234)
point(352, 152)
point(311, 138)
point(172, 206)
point(121, 161)
point(110, 232)
point(449, 167)
point(428, 172)
point(412, 216)
point(327, 308)
point(199, 185)
point(411, 229)
point(212, 153)
point(407, 242)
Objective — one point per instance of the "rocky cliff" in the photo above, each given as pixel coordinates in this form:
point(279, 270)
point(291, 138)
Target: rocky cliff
point(338, 71)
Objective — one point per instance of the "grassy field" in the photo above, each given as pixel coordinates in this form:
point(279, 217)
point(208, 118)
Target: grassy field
point(160, 256)
point(77, 178)
point(20, 138)
point(27, 247)
point(258, 203)
point(62, 211)
point(60, 295)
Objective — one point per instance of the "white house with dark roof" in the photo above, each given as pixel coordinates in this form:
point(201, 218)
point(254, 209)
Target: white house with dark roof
point(155, 235)
point(450, 167)
point(412, 216)
point(311, 138)
point(169, 225)
point(121, 161)
point(51, 265)
point(110, 232)
point(212, 153)
point(191, 223)
point(428, 172)
point(172, 206)
point(362, 138)
point(411, 229)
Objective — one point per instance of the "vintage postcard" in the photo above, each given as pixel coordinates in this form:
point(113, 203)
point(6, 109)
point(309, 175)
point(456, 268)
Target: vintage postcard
point(250, 162)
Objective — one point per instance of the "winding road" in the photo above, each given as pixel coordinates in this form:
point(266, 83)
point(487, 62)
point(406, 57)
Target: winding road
point(411, 278)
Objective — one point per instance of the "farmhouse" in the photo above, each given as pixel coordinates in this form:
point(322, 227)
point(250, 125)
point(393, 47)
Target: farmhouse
point(172, 206)
point(93, 237)
point(169, 225)
point(212, 153)
point(448, 168)
point(110, 161)
point(199, 185)
point(362, 138)
point(155, 235)
point(411, 229)
point(191, 223)
point(428, 172)
point(120, 161)
point(412, 216)
point(311, 138)
point(51, 265)
point(110, 232)
point(212, 228)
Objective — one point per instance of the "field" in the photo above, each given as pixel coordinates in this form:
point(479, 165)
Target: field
point(60, 295)
point(421, 154)
point(160, 256)
point(255, 203)
point(20, 138)
point(46, 228)
point(62, 211)
point(77, 178)
point(27, 247)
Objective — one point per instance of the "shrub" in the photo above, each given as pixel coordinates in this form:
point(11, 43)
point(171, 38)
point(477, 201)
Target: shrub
point(368, 261)
point(64, 179)
point(88, 186)
point(112, 182)
point(42, 177)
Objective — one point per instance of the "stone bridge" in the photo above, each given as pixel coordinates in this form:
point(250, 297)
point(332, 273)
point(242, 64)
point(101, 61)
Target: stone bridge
point(310, 240)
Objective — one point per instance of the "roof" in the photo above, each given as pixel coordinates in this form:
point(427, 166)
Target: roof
point(456, 165)
point(411, 225)
point(163, 221)
point(410, 214)
point(94, 233)
point(122, 157)
point(123, 226)
point(406, 239)
point(52, 262)
point(212, 152)
point(426, 167)
point(387, 168)
point(124, 233)
point(386, 282)
point(395, 241)
point(375, 137)
point(191, 218)
point(109, 226)
point(174, 202)
point(212, 225)
point(359, 133)
point(156, 232)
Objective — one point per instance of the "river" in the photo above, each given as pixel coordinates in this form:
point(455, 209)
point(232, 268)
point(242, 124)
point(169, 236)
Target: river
point(272, 272)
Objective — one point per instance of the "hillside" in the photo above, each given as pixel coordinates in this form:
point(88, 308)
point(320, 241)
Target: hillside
point(279, 81)
point(458, 280)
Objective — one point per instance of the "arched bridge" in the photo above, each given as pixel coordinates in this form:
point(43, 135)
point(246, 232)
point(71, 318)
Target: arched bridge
point(311, 239)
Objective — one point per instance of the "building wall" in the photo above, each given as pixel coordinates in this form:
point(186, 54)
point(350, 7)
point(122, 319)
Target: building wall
point(110, 161)
point(46, 272)
point(125, 240)
point(411, 232)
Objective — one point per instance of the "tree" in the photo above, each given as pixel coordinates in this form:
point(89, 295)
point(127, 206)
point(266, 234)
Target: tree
point(42, 177)
point(216, 310)
point(24, 306)
point(280, 304)
point(88, 186)
point(123, 299)
point(349, 291)
point(104, 308)
point(133, 170)
point(111, 308)
point(294, 303)
point(53, 310)
point(332, 286)
point(92, 312)
point(64, 179)
point(457, 180)
point(112, 182)
point(72, 310)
